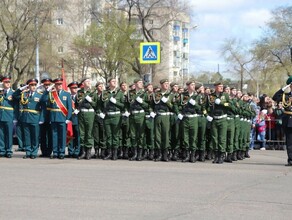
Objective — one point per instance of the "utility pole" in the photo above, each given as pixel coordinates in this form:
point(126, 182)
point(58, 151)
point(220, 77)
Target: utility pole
point(37, 65)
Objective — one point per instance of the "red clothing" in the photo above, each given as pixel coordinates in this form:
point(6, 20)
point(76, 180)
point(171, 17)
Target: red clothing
point(271, 120)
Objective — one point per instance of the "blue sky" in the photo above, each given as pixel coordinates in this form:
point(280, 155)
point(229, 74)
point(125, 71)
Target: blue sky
point(218, 20)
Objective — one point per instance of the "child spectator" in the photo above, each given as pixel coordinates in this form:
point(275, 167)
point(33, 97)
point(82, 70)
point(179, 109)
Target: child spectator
point(261, 128)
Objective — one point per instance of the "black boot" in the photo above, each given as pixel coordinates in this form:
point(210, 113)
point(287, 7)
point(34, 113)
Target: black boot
point(165, 155)
point(134, 156)
point(88, 153)
point(193, 158)
point(120, 153)
point(209, 155)
point(186, 156)
point(158, 155)
point(144, 154)
point(239, 156)
point(228, 159)
point(221, 158)
point(202, 156)
point(216, 159)
point(234, 156)
point(126, 153)
point(102, 153)
point(82, 154)
point(246, 154)
point(151, 154)
point(109, 155)
point(174, 155)
point(96, 152)
point(139, 156)
point(115, 154)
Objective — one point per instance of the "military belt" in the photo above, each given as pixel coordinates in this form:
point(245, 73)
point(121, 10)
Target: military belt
point(87, 110)
point(6, 108)
point(30, 110)
point(288, 113)
point(191, 116)
point(136, 112)
point(113, 113)
point(164, 113)
point(54, 109)
point(220, 117)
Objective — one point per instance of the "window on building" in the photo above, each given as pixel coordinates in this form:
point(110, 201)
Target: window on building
point(150, 21)
point(60, 21)
point(174, 73)
point(60, 49)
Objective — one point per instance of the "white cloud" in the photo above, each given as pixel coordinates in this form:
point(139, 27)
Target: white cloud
point(255, 18)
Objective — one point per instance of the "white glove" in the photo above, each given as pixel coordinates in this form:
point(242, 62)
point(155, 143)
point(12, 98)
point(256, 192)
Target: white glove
point(126, 114)
point(15, 121)
point(23, 87)
point(180, 116)
point(76, 111)
point(67, 121)
point(286, 87)
point(39, 86)
point(88, 98)
point(209, 118)
point(113, 100)
point(102, 115)
point(192, 101)
point(139, 99)
point(41, 122)
point(164, 99)
point(152, 114)
point(50, 87)
point(217, 101)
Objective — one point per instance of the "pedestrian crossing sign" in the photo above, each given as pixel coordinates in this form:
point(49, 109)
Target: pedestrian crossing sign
point(149, 52)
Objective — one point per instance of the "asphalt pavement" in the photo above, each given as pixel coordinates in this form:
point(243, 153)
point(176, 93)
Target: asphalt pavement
point(256, 188)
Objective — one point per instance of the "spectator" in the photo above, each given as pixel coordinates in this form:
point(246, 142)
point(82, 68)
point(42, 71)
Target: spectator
point(271, 126)
point(261, 128)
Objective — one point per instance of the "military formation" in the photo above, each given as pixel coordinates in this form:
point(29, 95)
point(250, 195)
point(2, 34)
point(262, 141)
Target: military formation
point(114, 122)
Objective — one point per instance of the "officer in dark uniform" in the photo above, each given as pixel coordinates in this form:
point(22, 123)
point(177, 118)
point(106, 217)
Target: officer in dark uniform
point(46, 144)
point(60, 107)
point(32, 116)
point(74, 145)
point(286, 99)
point(6, 118)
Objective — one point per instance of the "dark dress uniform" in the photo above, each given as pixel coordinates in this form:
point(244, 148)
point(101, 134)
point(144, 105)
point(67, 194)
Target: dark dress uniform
point(286, 99)
point(58, 120)
point(74, 145)
point(46, 141)
point(6, 120)
point(32, 115)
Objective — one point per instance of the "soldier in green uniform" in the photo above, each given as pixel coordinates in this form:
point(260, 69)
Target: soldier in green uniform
point(125, 125)
point(98, 127)
point(164, 106)
point(188, 108)
point(6, 118)
point(218, 104)
point(74, 145)
point(174, 126)
point(60, 107)
point(231, 112)
point(137, 107)
point(32, 116)
point(149, 122)
point(202, 122)
point(86, 104)
point(112, 105)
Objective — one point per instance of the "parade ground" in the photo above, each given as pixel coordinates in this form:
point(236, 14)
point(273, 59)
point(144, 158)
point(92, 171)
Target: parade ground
point(255, 188)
